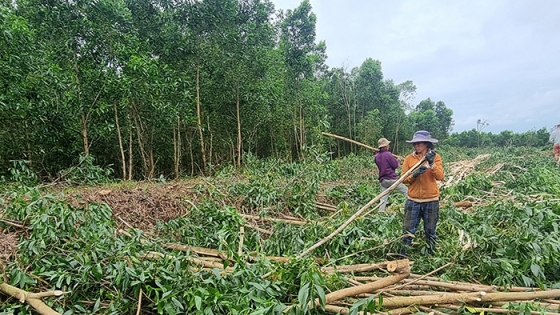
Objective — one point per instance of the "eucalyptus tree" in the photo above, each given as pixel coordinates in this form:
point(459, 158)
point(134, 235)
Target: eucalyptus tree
point(375, 93)
point(36, 92)
point(244, 37)
point(303, 59)
point(201, 29)
point(66, 30)
point(369, 93)
point(342, 105)
point(255, 40)
point(16, 62)
point(156, 85)
point(434, 117)
point(406, 97)
point(445, 118)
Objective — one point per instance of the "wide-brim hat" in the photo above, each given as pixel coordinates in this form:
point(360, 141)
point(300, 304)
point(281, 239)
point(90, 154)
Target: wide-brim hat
point(383, 142)
point(422, 136)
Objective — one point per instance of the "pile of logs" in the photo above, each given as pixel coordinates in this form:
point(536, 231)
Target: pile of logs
point(404, 292)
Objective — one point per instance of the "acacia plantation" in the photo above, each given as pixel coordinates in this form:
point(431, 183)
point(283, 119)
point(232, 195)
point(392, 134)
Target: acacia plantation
point(171, 88)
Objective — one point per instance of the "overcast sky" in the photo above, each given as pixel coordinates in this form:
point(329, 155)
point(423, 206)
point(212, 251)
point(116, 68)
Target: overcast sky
point(494, 60)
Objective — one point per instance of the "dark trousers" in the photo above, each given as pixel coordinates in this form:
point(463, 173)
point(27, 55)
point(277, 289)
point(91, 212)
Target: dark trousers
point(428, 212)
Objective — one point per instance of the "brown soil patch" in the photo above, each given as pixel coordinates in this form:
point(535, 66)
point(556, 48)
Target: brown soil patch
point(142, 205)
point(8, 244)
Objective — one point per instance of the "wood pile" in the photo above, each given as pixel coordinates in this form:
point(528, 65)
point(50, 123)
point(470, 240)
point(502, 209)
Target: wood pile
point(402, 292)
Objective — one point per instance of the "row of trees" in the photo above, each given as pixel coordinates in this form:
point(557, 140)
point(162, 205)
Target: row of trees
point(178, 87)
point(475, 138)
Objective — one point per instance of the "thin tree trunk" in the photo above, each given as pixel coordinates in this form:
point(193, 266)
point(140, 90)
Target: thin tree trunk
point(28, 146)
point(211, 140)
point(296, 137)
point(139, 132)
point(177, 147)
point(151, 161)
point(85, 133)
point(191, 154)
point(198, 116)
point(350, 140)
point(346, 101)
point(239, 142)
point(130, 155)
point(301, 131)
point(123, 161)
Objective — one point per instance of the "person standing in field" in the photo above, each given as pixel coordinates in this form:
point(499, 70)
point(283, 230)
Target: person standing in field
point(423, 192)
point(387, 164)
point(555, 140)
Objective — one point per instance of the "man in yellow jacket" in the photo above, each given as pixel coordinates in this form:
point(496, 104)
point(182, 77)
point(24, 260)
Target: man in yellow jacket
point(423, 191)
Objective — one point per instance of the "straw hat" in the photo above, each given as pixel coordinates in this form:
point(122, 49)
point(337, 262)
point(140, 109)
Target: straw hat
point(383, 142)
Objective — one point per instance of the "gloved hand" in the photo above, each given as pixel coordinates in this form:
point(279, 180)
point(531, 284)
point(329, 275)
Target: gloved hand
point(420, 171)
point(431, 156)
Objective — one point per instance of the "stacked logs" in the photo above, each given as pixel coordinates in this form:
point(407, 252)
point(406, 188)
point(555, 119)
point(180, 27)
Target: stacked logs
point(404, 292)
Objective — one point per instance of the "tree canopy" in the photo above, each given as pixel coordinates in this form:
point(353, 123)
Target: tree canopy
point(174, 88)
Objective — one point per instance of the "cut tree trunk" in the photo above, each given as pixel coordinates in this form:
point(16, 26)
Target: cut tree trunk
point(33, 299)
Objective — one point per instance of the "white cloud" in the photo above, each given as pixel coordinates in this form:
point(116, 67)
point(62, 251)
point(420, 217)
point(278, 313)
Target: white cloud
point(495, 60)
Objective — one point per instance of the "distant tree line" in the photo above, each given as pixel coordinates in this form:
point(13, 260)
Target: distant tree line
point(174, 88)
point(475, 138)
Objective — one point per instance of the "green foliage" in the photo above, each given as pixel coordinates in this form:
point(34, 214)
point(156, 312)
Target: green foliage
point(477, 138)
point(510, 238)
point(20, 173)
point(86, 172)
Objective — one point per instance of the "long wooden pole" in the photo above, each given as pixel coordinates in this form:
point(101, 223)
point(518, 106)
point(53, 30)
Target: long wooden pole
point(350, 140)
point(357, 214)
point(475, 297)
point(355, 142)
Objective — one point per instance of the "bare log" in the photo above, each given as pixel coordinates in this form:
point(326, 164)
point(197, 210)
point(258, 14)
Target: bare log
point(463, 204)
point(33, 299)
point(496, 310)
point(202, 262)
point(256, 228)
point(402, 269)
point(355, 268)
point(254, 217)
point(452, 286)
point(194, 249)
point(399, 266)
point(477, 297)
point(241, 239)
point(324, 206)
point(412, 292)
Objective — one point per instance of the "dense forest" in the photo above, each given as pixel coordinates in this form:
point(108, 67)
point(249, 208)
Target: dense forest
point(167, 89)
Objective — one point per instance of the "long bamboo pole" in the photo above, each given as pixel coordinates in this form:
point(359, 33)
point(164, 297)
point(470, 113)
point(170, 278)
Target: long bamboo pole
point(476, 297)
point(350, 140)
point(355, 142)
point(359, 212)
